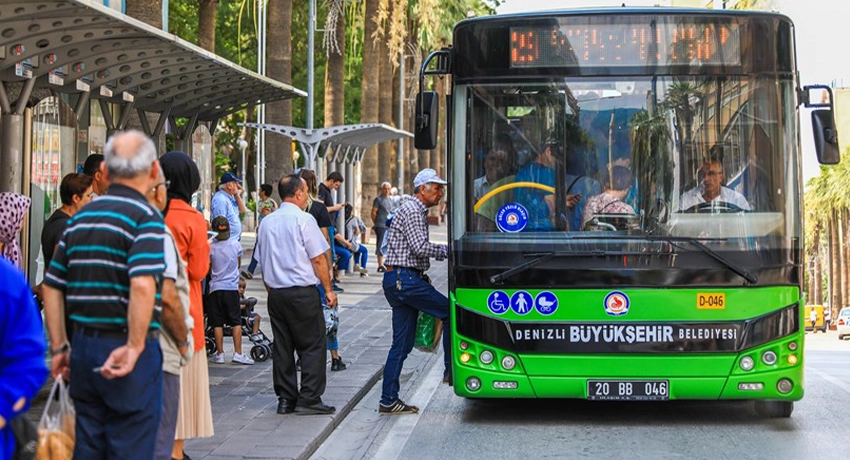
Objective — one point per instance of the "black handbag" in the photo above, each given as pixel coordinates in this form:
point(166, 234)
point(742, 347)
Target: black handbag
point(26, 438)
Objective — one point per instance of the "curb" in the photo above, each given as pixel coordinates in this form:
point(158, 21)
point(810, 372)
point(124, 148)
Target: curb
point(341, 415)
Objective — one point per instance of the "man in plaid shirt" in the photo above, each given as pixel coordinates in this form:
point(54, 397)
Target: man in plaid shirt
point(406, 286)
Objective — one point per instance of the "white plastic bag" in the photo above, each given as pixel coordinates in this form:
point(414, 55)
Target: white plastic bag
point(57, 426)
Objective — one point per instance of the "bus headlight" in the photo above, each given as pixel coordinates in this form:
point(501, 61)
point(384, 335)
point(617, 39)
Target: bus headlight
point(747, 363)
point(769, 358)
point(486, 357)
point(465, 357)
point(508, 362)
point(473, 383)
point(792, 359)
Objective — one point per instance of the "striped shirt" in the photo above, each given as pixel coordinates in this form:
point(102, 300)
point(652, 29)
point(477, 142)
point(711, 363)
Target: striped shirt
point(408, 242)
point(109, 241)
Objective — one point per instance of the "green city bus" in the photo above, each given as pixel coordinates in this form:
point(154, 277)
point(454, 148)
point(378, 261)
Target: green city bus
point(625, 216)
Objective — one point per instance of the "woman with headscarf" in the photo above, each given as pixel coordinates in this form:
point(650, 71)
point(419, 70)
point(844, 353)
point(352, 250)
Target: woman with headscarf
point(194, 418)
point(13, 209)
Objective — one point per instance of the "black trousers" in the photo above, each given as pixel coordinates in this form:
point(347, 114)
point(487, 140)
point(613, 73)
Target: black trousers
point(298, 324)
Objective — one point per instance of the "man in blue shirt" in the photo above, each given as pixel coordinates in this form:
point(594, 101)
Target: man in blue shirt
point(227, 202)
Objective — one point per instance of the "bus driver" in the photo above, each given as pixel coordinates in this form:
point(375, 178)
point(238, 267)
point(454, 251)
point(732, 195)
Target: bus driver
point(711, 189)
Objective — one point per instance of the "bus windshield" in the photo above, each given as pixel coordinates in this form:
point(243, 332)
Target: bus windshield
point(578, 164)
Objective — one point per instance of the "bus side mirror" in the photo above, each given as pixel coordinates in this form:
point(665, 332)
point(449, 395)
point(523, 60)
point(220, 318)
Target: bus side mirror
point(427, 120)
point(826, 137)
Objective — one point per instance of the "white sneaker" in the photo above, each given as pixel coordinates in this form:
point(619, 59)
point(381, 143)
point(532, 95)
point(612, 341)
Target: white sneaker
point(218, 358)
point(239, 358)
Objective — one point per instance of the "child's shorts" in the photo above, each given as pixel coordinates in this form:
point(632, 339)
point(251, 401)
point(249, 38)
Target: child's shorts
point(224, 309)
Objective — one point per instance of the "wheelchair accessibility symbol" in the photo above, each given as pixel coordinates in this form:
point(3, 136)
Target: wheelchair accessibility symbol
point(546, 303)
point(498, 302)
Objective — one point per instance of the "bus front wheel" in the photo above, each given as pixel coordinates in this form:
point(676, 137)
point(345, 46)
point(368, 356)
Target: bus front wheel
point(774, 409)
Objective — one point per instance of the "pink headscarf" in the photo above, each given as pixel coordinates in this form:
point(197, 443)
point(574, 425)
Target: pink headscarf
point(13, 209)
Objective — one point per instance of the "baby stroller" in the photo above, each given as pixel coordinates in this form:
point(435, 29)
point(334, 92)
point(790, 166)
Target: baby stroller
point(262, 349)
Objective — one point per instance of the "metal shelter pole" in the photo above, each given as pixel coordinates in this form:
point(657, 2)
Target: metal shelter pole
point(311, 44)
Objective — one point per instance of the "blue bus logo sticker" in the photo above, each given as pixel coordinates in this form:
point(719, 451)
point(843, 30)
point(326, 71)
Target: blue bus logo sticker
point(616, 303)
point(546, 303)
point(521, 302)
point(498, 302)
point(512, 218)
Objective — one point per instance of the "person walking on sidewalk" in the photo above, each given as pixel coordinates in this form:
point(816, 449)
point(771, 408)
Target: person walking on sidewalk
point(408, 289)
point(194, 416)
point(112, 251)
point(291, 272)
point(223, 308)
point(382, 206)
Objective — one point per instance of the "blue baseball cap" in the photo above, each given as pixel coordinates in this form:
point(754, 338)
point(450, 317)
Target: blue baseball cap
point(229, 177)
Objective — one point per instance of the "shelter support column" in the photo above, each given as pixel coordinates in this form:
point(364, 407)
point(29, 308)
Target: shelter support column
point(12, 138)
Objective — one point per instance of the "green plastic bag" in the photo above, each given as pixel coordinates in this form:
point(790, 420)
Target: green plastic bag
point(428, 330)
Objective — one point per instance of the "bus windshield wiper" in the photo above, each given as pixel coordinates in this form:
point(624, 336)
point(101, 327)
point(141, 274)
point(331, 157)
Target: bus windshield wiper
point(540, 257)
point(749, 277)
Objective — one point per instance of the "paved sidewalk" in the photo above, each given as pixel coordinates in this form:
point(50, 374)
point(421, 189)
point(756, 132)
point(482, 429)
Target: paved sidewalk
point(243, 399)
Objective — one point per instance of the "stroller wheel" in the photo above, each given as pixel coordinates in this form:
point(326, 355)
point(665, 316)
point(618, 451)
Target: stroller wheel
point(259, 353)
point(210, 346)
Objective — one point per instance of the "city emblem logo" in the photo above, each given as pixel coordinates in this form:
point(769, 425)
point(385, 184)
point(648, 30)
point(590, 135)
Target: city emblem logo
point(498, 302)
point(512, 218)
point(546, 303)
point(616, 303)
point(521, 302)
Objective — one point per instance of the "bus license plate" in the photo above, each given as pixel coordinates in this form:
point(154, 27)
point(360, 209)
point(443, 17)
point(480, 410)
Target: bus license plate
point(628, 390)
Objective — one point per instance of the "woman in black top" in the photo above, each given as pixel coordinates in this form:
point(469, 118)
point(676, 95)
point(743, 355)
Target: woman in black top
point(75, 191)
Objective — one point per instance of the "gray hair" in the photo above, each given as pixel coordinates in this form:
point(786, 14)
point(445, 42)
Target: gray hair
point(129, 154)
point(384, 184)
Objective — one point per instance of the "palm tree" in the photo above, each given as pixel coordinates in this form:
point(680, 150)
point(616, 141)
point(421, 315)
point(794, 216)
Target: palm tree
point(335, 70)
point(369, 102)
point(279, 67)
point(206, 24)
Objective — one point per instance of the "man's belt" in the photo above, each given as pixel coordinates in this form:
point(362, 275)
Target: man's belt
point(152, 334)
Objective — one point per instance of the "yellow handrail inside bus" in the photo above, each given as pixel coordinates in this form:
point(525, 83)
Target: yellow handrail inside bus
point(502, 188)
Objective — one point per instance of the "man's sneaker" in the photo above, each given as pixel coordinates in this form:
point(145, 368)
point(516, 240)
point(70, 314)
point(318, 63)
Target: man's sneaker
point(397, 408)
point(218, 358)
point(337, 288)
point(247, 275)
point(356, 268)
point(239, 358)
point(364, 273)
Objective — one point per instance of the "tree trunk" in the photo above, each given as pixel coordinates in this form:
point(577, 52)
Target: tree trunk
point(335, 82)
point(844, 259)
point(385, 157)
point(206, 24)
point(279, 67)
point(369, 106)
point(147, 11)
point(834, 261)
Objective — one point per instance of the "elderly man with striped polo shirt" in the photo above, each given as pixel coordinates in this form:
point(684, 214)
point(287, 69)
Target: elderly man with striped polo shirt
point(106, 273)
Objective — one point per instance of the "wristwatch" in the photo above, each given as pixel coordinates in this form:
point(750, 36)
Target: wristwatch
point(62, 349)
point(185, 343)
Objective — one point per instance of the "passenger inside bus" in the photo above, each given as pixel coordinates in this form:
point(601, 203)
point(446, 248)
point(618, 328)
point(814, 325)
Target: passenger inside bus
point(710, 193)
point(495, 168)
point(618, 184)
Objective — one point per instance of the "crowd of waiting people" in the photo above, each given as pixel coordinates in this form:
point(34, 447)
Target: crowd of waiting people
point(133, 273)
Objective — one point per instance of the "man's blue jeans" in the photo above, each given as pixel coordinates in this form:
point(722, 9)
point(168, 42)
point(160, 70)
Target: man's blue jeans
point(343, 257)
point(116, 418)
point(415, 295)
point(361, 256)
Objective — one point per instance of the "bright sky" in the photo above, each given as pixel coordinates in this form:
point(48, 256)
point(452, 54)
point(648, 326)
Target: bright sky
point(821, 45)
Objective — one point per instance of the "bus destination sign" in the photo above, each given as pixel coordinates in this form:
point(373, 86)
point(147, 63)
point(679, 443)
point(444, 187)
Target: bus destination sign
point(675, 41)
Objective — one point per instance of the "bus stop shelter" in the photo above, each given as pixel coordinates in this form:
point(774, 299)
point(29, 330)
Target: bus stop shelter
point(88, 56)
point(341, 146)
point(86, 51)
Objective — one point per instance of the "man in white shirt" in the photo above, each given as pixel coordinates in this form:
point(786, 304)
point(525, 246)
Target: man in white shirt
point(291, 272)
point(495, 168)
point(711, 189)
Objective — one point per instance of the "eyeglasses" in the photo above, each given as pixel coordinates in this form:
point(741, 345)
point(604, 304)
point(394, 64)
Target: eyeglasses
point(710, 173)
point(167, 185)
